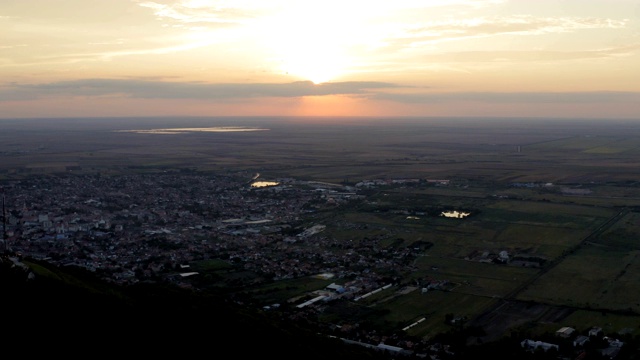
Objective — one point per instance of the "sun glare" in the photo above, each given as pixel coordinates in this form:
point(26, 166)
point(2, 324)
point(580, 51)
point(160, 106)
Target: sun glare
point(317, 64)
point(311, 42)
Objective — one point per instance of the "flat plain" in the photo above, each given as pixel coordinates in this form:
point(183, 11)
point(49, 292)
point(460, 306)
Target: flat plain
point(561, 196)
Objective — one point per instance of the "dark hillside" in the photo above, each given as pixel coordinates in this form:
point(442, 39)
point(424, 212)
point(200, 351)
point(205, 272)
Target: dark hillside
point(65, 311)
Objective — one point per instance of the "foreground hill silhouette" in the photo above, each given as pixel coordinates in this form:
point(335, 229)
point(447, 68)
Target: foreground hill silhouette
point(67, 311)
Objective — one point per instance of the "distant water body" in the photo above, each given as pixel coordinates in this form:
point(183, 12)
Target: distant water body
point(385, 126)
point(174, 131)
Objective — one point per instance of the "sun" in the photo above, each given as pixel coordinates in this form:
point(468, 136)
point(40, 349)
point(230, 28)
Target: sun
point(318, 64)
point(311, 42)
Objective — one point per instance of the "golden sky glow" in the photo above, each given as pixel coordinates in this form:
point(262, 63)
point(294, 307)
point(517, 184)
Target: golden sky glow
point(542, 58)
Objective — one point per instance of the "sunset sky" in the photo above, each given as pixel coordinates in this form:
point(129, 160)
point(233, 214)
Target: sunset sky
point(503, 58)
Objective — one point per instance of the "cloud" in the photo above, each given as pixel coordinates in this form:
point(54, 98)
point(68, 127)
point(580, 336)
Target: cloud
point(238, 11)
point(155, 89)
point(515, 97)
point(374, 29)
point(135, 88)
point(204, 12)
point(532, 55)
point(458, 29)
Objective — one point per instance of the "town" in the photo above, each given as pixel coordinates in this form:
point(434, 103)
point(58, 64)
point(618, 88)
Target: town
point(136, 228)
point(151, 227)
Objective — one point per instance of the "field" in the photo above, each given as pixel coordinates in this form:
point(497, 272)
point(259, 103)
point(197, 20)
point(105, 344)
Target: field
point(562, 197)
point(332, 149)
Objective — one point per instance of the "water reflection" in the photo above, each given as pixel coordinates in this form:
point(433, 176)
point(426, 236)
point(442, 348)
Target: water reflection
point(190, 130)
point(263, 183)
point(455, 214)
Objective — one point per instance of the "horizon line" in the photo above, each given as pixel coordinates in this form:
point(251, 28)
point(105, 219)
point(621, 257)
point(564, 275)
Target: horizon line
point(319, 116)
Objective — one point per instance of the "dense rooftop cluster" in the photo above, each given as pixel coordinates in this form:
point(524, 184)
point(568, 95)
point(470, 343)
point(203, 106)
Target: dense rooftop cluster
point(142, 227)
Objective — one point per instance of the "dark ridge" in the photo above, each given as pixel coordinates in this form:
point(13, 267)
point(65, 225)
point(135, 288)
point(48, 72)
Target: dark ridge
point(68, 312)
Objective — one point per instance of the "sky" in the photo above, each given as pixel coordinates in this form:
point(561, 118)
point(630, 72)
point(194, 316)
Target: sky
point(431, 58)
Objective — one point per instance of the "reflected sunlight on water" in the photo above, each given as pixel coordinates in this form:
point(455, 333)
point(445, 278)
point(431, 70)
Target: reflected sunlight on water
point(187, 130)
point(263, 183)
point(455, 214)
